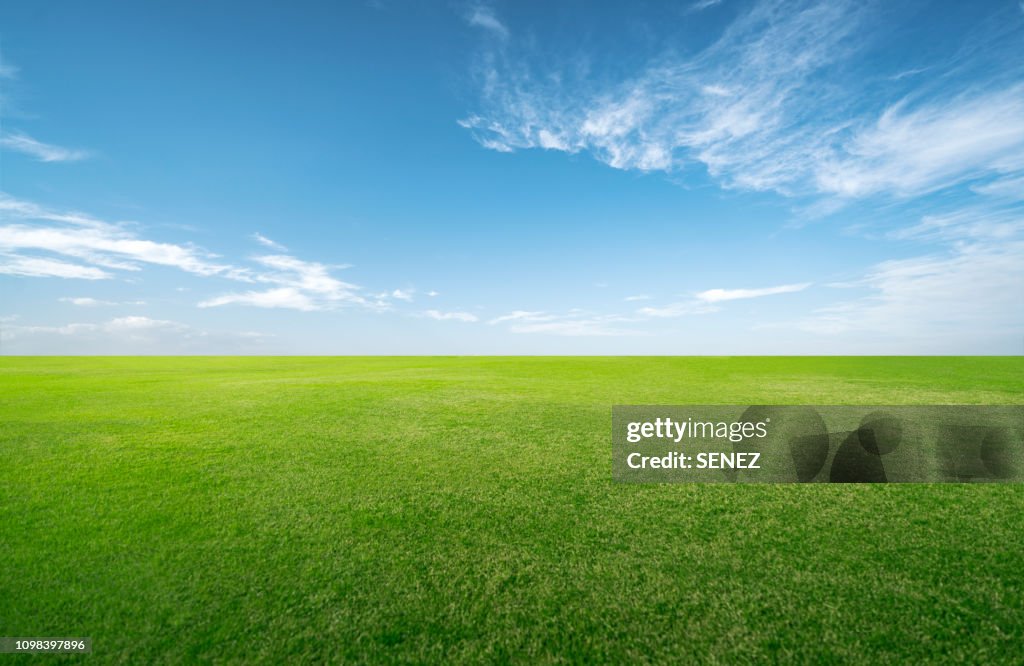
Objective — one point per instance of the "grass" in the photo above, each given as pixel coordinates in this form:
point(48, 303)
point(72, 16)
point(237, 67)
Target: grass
point(462, 510)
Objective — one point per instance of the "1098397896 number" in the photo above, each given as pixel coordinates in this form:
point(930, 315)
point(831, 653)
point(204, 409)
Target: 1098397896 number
point(58, 645)
point(49, 645)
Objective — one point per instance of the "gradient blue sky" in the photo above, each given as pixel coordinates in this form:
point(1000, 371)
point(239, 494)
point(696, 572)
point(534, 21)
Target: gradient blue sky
point(710, 177)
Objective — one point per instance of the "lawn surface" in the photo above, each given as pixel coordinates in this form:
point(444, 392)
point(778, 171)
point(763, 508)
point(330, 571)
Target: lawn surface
point(462, 510)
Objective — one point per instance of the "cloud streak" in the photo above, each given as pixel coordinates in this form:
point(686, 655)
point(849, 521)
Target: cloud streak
point(41, 152)
point(13, 264)
point(770, 106)
point(483, 17)
point(119, 335)
point(451, 316)
point(297, 285)
point(284, 297)
point(28, 230)
point(266, 242)
point(968, 293)
point(718, 295)
point(701, 5)
point(575, 323)
point(36, 241)
point(89, 302)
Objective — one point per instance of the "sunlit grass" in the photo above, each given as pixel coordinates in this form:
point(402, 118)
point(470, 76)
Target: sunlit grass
point(462, 509)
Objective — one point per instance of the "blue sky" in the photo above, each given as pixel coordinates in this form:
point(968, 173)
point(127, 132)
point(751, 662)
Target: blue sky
point(709, 177)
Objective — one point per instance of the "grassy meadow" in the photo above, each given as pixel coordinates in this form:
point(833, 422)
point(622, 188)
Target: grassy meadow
point(461, 510)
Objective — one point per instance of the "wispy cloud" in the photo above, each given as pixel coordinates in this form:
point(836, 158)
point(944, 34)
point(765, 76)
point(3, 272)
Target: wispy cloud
point(733, 107)
point(402, 294)
point(133, 324)
point(770, 105)
point(137, 323)
point(89, 302)
point(575, 323)
point(1005, 188)
point(450, 316)
point(678, 309)
point(36, 241)
point(717, 295)
point(966, 294)
point(577, 326)
point(42, 152)
point(27, 227)
point(971, 292)
point(309, 276)
point(282, 297)
point(299, 285)
point(266, 242)
point(706, 302)
point(522, 315)
point(912, 150)
point(14, 264)
point(637, 297)
point(701, 5)
point(977, 223)
point(788, 100)
point(135, 333)
point(482, 16)
point(85, 301)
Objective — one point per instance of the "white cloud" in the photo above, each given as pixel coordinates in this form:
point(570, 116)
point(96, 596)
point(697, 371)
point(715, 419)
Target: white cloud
point(309, 276)
point(20, 209)
point(679, 309)
point(973, 223)
point(110, 248)
point(120, 325)
point(401, 295)
point(266, 242)
point(969, 294)
point(283, 297)
point(27, 226)
point(85, 301)
point(88, 301)
point(522, 315)
point(13, 264)
point(137, 323)
point(637, 297)
point(579, 326)
point(121, 335)
point(450, 316)
point(100, 249)
point(701, 5)
point(481, 16)
point(706, 302)
point(911, 151)
point(1009, 188)
point(574, 323)
point(42, 152)
point(433, 294)
point(67, 329)
point(299, 285)
point(717, 295)
point(676, 110)
point(770, 105)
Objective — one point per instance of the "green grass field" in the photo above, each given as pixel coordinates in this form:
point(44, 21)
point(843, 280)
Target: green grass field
point(462, 510)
